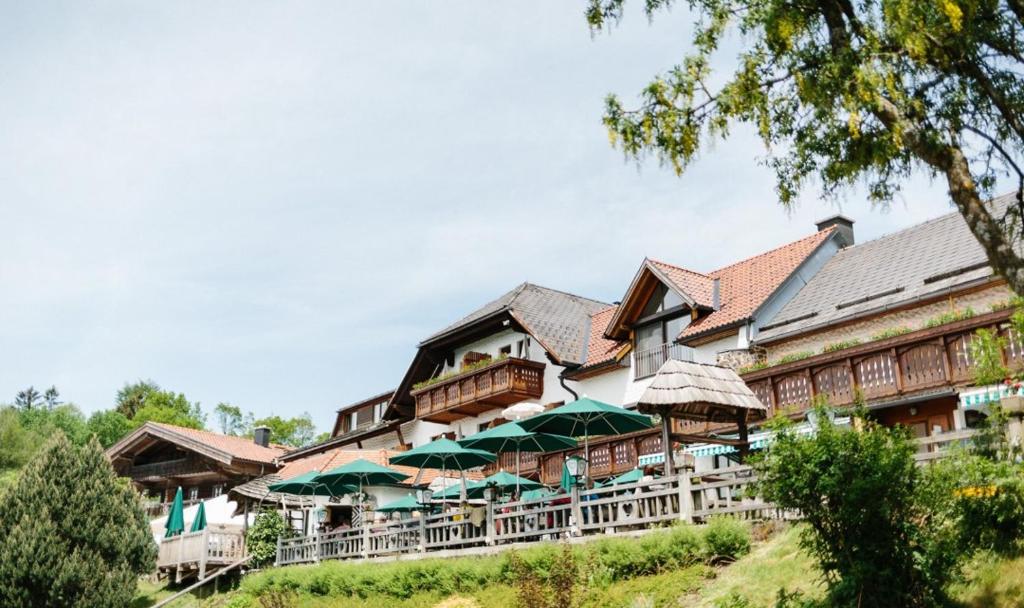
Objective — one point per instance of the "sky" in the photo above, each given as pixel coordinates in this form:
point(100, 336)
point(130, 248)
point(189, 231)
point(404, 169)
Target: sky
point(269, 204)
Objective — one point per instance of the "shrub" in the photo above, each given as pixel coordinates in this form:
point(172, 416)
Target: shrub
point(834, 346)
point(726, 539)
point(791, 357)
point(261, 540)
point(857, 491)
point(891, 332)
point(753, 367)
point(73, 533)
point(950, 317)
point(987, 356)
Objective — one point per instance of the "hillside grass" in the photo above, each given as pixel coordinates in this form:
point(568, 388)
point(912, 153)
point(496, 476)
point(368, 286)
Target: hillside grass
point(752, 581)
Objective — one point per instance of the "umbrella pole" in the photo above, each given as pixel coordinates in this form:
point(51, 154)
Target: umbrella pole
point(666, 442)
point(517, 472)
point(586, 456)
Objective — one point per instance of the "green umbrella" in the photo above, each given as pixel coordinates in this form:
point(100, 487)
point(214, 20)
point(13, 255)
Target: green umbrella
point(443, 454)
point(506, 481)
point(628, 477)
point(306, 485)
point(199, 523)
point(541, 492)
point(406, 504)
point(362, 472)
point(585, 417)
point(511, 436)
point(176, 516)
point(454, 491)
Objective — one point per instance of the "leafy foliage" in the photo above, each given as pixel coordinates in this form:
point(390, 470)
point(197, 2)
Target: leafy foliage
point(791, 357)
point(472, 367)
point(109, 426)
point(132, 396)
point(987, 356)
point(170, 408)
point(891, 332)
point(726, 539)
point(261, 540)
point(858, 493)
point(848, 92)
point(296, 432)
point(231, 419)
point(834, 346)
point(949, 317)
point(74, 534)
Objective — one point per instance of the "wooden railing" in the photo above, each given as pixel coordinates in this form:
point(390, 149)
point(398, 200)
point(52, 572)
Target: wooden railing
point(686, 496)
point(217, 545)
point(647, 362)
point(608, 455)
point(914, 362)
point(502, 383)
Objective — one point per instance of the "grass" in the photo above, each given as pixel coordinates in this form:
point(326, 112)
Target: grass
point(777, 563)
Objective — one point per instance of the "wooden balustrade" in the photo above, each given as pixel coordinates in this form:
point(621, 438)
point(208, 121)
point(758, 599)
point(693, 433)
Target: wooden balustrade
point(502, 383)
point(913, 362)
point(217, 546)
point(686, 496)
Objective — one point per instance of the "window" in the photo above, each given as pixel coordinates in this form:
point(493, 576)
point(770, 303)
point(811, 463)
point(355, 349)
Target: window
point(655, 338)
point(505, 351)
point(353, 421)
point(378, 411)
point(218, 490)
point(193, 493)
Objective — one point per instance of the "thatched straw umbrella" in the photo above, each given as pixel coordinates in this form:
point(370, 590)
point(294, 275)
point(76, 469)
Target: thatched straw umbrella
point(702, 392)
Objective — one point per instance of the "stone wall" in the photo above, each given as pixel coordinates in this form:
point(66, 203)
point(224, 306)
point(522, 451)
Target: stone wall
point(914, 318)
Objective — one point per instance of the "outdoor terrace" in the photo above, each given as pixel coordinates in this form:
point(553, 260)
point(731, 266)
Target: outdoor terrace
point(499, 384)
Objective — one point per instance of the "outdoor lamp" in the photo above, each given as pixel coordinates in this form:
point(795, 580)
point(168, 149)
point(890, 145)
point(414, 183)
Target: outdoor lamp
point(577, 466)
point(424, 496)
point(489, 493)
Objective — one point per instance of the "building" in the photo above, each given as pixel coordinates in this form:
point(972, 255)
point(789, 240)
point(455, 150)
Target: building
point(159, 458)
point(891, 320)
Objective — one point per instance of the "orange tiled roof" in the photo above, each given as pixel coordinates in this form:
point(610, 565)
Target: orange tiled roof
point(746, 284)
point(243, 448)
point(600, 349)
point(698, 286)
point(335, 458)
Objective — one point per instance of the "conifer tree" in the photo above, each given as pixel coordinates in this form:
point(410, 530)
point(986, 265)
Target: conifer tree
point(73, 533)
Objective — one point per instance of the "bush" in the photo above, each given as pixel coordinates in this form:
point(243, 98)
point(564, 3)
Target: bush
point(726, 539)
point(858, 493)
point(73, 533)
point(261, 540)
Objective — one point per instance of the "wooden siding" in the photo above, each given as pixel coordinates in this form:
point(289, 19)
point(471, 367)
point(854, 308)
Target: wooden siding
point(503, 383)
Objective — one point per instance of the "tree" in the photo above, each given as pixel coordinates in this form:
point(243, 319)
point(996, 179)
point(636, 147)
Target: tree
point(843, 91)
point(859, 493)
point(295, 432)
point(170, 408)
point(17, 443)
point(132, 397)
point(74, 534)
point(231, 419)
point(45, 422)
point(27, 399)
point(108, 426)
point(261, 540)
point(52, 397)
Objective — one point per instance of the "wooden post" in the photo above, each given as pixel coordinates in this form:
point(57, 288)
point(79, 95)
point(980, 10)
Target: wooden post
point(366, 537)
point(685, 494)
point(666, 442)
point(316, 545)
point(181, 550)
point(204, 553)
point(423, 529)
point(741, 422)
point(489, 532)
point(277, 559)
point(577, 512)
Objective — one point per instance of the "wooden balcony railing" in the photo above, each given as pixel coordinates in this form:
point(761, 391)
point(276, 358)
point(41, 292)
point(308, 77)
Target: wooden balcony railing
point(608, 455)
point(192, 553)
point(917, 361)
point(502, 383)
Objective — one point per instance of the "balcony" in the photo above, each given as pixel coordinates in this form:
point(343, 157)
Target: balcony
point(609, 456)
point(647, 362)
point(501, 383)
point(925, 360)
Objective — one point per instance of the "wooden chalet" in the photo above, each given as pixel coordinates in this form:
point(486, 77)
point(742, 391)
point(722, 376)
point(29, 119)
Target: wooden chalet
point(159, 458)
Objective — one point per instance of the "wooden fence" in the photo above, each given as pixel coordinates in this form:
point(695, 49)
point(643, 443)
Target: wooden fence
point(194, 552)
point(687, 496)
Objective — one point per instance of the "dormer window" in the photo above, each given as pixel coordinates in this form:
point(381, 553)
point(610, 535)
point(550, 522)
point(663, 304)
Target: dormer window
point(664, 317)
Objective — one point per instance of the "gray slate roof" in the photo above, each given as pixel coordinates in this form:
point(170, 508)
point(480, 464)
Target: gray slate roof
point(558, 319)
point(924, 260)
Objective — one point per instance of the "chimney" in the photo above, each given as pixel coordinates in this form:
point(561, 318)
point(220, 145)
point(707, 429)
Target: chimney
point(844, 227)
point(261, 436)
point(716, 291)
